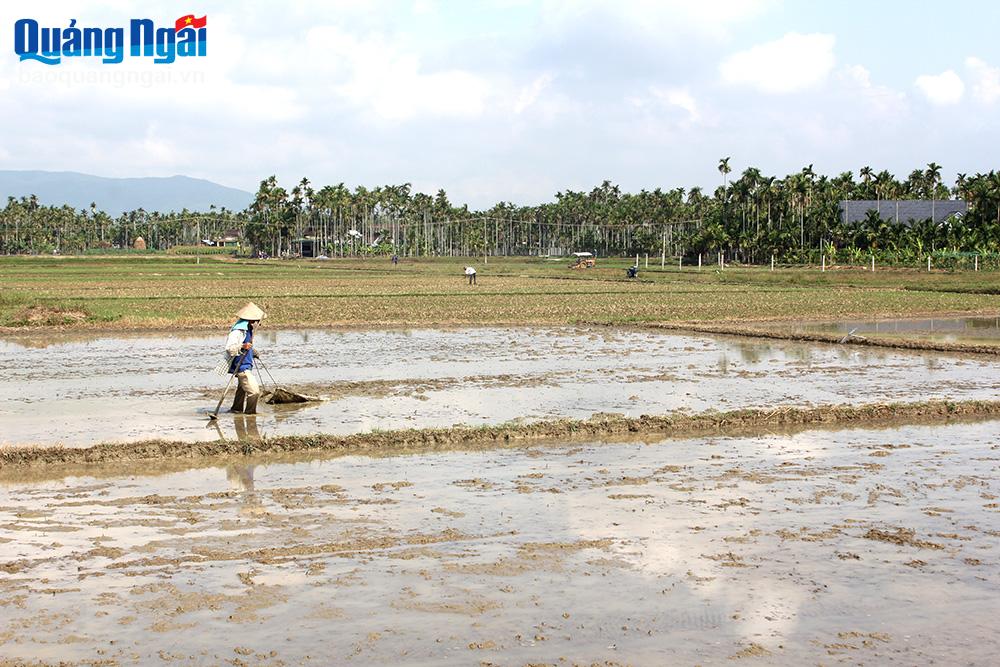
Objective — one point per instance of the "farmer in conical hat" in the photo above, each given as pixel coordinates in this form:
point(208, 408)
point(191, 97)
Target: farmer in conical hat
point(239, 347)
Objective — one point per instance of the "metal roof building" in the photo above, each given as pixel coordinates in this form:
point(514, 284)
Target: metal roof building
point(901, 210)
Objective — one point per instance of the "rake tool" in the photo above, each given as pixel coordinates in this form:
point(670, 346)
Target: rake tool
point(279, 395)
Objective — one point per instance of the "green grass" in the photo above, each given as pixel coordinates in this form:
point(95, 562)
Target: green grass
point(153, 291)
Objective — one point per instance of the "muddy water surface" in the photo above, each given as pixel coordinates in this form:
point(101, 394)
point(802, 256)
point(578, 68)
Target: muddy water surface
point(83, 390)
point(850, 546)
point(942, 329)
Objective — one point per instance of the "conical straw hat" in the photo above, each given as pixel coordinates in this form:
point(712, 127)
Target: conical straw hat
point(251, 312)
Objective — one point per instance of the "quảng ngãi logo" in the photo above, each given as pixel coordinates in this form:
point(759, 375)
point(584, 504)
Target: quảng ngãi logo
point(187, 38)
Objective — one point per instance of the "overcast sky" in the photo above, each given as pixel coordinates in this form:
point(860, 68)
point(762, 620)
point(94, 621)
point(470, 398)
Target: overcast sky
point(515, 100)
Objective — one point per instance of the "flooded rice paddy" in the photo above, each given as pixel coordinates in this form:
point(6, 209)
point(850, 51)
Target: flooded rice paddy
point(82, 390)
point(822, 546)
point(817, 547)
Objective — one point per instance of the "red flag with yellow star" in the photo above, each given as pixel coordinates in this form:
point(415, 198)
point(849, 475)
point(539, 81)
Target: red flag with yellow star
point(190, 21)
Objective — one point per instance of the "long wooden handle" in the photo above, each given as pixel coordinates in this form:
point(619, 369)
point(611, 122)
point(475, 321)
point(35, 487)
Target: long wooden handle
point(229, 384)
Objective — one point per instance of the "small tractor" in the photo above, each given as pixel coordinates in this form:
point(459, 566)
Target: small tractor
point(584, 260)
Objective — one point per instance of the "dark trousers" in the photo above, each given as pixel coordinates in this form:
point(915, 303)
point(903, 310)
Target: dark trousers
point(472, 279)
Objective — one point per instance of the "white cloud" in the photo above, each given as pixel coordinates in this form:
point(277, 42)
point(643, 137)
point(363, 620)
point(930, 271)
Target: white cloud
point(793, 62)
point(680, 98)
point(310, 89)
point(858, 74)
point(529, 94)
point(394, 88)
point(943, 89)
point(882, 100)
point(986, 86)
point(156, 149)
point(424, 7)
point(371, 73)
point(713, 18)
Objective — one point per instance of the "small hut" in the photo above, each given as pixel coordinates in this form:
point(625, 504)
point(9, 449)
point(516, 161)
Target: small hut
point(231, 239)
point(139, 243)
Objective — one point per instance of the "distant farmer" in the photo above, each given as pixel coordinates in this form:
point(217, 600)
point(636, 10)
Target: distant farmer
point(470, 272)
point(395, 260)
point(632, 271)
point(239, 348)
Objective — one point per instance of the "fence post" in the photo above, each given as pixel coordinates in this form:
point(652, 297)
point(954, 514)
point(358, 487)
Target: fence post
point(772, 262)
point(928, 262)
point(873, 263)
point(637, 260)
point(680, 260)
point(977, 262)
point(647, 261)
point(824, 264)
point(699, 261)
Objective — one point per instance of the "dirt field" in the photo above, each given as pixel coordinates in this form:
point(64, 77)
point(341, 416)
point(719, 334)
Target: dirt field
point(818, 547)
point(157, 292)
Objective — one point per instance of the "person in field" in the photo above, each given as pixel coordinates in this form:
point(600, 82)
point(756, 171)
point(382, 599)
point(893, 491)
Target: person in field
point(470, 273)
point(239, 350)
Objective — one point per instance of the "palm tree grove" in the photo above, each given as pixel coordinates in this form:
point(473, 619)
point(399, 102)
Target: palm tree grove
point(749, 219)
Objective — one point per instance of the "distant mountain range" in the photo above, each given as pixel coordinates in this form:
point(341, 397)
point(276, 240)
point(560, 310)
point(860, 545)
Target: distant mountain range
point(116, 195)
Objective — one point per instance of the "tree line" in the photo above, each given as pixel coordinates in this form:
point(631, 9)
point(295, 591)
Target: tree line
point(750, 218)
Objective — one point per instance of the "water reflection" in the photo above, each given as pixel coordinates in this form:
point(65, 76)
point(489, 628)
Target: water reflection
point(948, 329)
point(246, 428)
point(752, 353)
point(723, 364)
point(240, 476)
point(801, 354)
point(706, 544)
point(390, 379)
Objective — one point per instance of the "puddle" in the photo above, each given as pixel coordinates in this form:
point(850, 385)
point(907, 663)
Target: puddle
point(81, 390)
point(867, 546)
point(941, 329)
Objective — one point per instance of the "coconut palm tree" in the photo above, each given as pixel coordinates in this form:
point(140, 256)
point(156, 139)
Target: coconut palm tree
point(866, 174)
point(724, 169)
point(933, 175)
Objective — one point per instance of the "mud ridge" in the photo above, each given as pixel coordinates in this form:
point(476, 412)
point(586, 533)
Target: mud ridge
point(598, 426)
point(406, 386)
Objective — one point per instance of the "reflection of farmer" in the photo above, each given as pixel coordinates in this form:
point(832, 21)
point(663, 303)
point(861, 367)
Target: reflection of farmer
point(241, 475)
point(246, 428)
point(470, 272)
point(239, 347)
